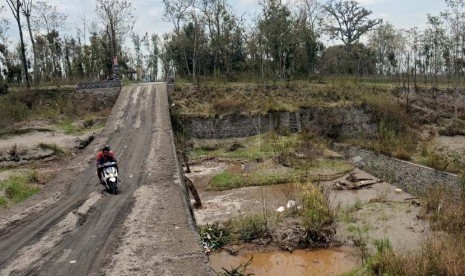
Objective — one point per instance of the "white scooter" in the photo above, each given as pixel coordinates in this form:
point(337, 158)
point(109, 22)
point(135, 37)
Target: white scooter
point(110, 176)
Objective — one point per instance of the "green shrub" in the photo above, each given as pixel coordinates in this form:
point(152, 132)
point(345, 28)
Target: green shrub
point(214, 236)
point(3, 201)
point(249, 228)
point(19, 188)
point(316, 211)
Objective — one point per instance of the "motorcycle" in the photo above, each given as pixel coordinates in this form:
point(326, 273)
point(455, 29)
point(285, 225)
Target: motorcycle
point(110, 176)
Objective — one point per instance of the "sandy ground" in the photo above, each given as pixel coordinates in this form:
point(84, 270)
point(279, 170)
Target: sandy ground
point(34, 138)
point(383, 213)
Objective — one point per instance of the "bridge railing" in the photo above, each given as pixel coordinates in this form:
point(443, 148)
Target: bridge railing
point(99, 84)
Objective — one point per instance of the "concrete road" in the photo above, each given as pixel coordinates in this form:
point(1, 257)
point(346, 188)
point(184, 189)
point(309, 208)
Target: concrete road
point(146, 229)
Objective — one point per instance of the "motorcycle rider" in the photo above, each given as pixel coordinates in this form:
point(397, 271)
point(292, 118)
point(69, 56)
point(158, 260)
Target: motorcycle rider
point(103, 156)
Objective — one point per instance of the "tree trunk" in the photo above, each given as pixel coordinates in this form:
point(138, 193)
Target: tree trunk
point(36, 73)
point(23, 51)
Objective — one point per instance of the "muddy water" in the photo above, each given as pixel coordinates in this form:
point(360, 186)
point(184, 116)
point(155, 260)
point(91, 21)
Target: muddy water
point(300, 262)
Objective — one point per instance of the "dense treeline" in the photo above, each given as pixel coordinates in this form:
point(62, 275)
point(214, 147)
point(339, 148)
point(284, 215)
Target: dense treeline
point(53, 54)
point(284, 41)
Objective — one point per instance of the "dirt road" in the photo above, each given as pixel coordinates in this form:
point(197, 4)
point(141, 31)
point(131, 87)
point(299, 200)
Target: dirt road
point(75, 228)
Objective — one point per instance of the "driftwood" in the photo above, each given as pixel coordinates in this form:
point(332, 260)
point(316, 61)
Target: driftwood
point(352, 182)
point(193, 190)
point(185, 160)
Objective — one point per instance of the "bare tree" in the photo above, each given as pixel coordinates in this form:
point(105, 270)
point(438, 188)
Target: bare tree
point(349, 21)
point(455, 16)
point(175, 12)
point(3, 24)
point(48, 21)
point(26, 7)
point(15, 6)
point(3, 28)
point(117, 17)
point(83, 31)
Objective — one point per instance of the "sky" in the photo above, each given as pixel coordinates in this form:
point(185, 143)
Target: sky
point(400, 13)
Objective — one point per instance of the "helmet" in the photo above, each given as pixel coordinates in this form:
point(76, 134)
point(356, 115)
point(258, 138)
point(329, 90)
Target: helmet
point(106, 148)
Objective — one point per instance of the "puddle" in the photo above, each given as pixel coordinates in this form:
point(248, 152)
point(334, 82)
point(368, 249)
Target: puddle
point(300, 262)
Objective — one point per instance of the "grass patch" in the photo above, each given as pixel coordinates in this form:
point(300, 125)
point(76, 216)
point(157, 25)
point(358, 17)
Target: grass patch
point(19, 187)
point(3, 202)
point(226, 181)
point(257, 147)
point(68, 127)
point(5, 133)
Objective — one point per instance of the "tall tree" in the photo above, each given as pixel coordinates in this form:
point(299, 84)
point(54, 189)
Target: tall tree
point(385, 42)
point(47, 22)
point(151, 46)
point(26, 8)
point(348, 21)
point(117, 17)
point(3, 24)
point(275, 26)
point(176, 11)
point(3, 28)
point(15, 6)
point(455, 16)
point(308, 23)
point(138, 58)
point(436, 43)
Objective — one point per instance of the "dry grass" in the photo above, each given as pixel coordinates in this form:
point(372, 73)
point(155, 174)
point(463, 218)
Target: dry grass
point(210, 98)
point(442, 253)
point(41, 104)
point(444, 211)
point(439, 255)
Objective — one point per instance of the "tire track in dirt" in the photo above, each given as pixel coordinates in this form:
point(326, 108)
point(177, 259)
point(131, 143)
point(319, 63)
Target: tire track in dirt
point(34, 254)
point(49, 244)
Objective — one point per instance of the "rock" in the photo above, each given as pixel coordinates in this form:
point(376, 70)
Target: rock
point(358, 162)
point(290, 204)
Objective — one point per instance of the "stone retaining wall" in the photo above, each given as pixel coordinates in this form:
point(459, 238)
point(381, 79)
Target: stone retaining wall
point(331, 122)
point(410, 177)
point(335, 123)
point(235, 125)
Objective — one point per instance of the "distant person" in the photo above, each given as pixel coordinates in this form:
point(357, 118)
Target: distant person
point(104, 156)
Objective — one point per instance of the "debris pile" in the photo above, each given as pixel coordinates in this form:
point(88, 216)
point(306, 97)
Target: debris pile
point(352, 182)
